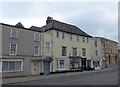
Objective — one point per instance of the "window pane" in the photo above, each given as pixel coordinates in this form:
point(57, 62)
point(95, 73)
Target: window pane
point(14, 33)
point(47, 46)
point(11, 65)
point(18, 66)
point(36, 36)
point(74, 51)
point(63, 35)
point(13, 49)
point(57, 34)
point(64, 51)
point(83, 52)
point(5, 66)
point(36, 51)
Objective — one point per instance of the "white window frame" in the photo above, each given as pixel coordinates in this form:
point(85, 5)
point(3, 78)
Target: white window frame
point(83, 51)
point(74, 51)
point(47, 46)
point(59, 65)
point(15, 49)
point(38, 52)
point(11, 33)
point(65, 52)
point(14, 60)
point(36, 36)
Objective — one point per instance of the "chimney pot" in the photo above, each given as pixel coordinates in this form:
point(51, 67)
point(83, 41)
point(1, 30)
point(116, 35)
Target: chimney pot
point(49, 19)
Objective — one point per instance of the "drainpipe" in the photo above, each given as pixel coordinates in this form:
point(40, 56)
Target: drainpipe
point(52, 47)
point(42, 50)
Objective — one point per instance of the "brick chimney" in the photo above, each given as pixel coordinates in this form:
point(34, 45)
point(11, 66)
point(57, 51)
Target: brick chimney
point(49, 19)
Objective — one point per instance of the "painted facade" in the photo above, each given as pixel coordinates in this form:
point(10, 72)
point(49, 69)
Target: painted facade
point(107, 52)
point(55, 47)
point(17, 56)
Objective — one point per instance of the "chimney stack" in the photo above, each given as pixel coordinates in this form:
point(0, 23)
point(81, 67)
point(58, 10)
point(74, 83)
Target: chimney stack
point(49, 19)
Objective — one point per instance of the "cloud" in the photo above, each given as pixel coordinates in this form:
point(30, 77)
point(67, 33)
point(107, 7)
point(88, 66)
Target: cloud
point(96, 18)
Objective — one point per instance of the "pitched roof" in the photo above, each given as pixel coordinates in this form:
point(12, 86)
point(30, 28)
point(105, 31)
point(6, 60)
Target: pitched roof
point(104, 38)
point(19, 25)
point(16, 26)
point(57, 25)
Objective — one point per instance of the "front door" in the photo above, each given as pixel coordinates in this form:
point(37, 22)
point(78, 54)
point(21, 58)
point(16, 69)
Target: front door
point(83, 63)
point(35, 68)
point(46, 67)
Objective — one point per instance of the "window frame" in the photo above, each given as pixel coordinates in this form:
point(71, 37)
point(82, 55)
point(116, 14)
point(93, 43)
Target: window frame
point(16, 33)
point(74, 51)
point(12, 60)
point(57, 34)
point(87, 40)
point(36, 36)
point(46, 46)
point(59, 67)
point(95, 43)
point(96, 52)
point(83, 38)
point(83, 51)
point(10, 53)
point(38, 51)
point(64, 53)
point(63, 35)
point(78, 38)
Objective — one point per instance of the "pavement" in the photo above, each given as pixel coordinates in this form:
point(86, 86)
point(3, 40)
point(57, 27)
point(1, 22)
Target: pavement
point(40, 77)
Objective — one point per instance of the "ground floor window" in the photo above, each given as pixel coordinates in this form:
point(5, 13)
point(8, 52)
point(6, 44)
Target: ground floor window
point(12, 65)
point(60, 64)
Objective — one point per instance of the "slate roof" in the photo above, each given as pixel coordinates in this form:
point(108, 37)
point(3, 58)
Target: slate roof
point(57, 25)
point(104, 38)
point(20, 26)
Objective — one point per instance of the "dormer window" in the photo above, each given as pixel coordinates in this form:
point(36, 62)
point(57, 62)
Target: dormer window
point(14, 33)
point(36, 36)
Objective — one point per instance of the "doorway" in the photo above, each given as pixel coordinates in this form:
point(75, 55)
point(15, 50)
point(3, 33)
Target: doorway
point(83, 63)
point(35, 68)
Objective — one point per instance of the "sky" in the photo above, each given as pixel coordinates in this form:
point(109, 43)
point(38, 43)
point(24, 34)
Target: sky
point(99, 19)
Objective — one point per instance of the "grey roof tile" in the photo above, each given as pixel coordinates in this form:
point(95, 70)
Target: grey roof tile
point(57, 25)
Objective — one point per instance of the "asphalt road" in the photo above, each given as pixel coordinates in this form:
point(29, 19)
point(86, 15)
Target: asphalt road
point(108, 77)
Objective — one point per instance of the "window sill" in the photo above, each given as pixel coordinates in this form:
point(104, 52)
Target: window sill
point(12, 54)
point(36, 40)
point(14, 37)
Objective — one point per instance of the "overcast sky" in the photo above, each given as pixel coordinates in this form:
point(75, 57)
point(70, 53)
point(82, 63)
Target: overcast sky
point(95, 18)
